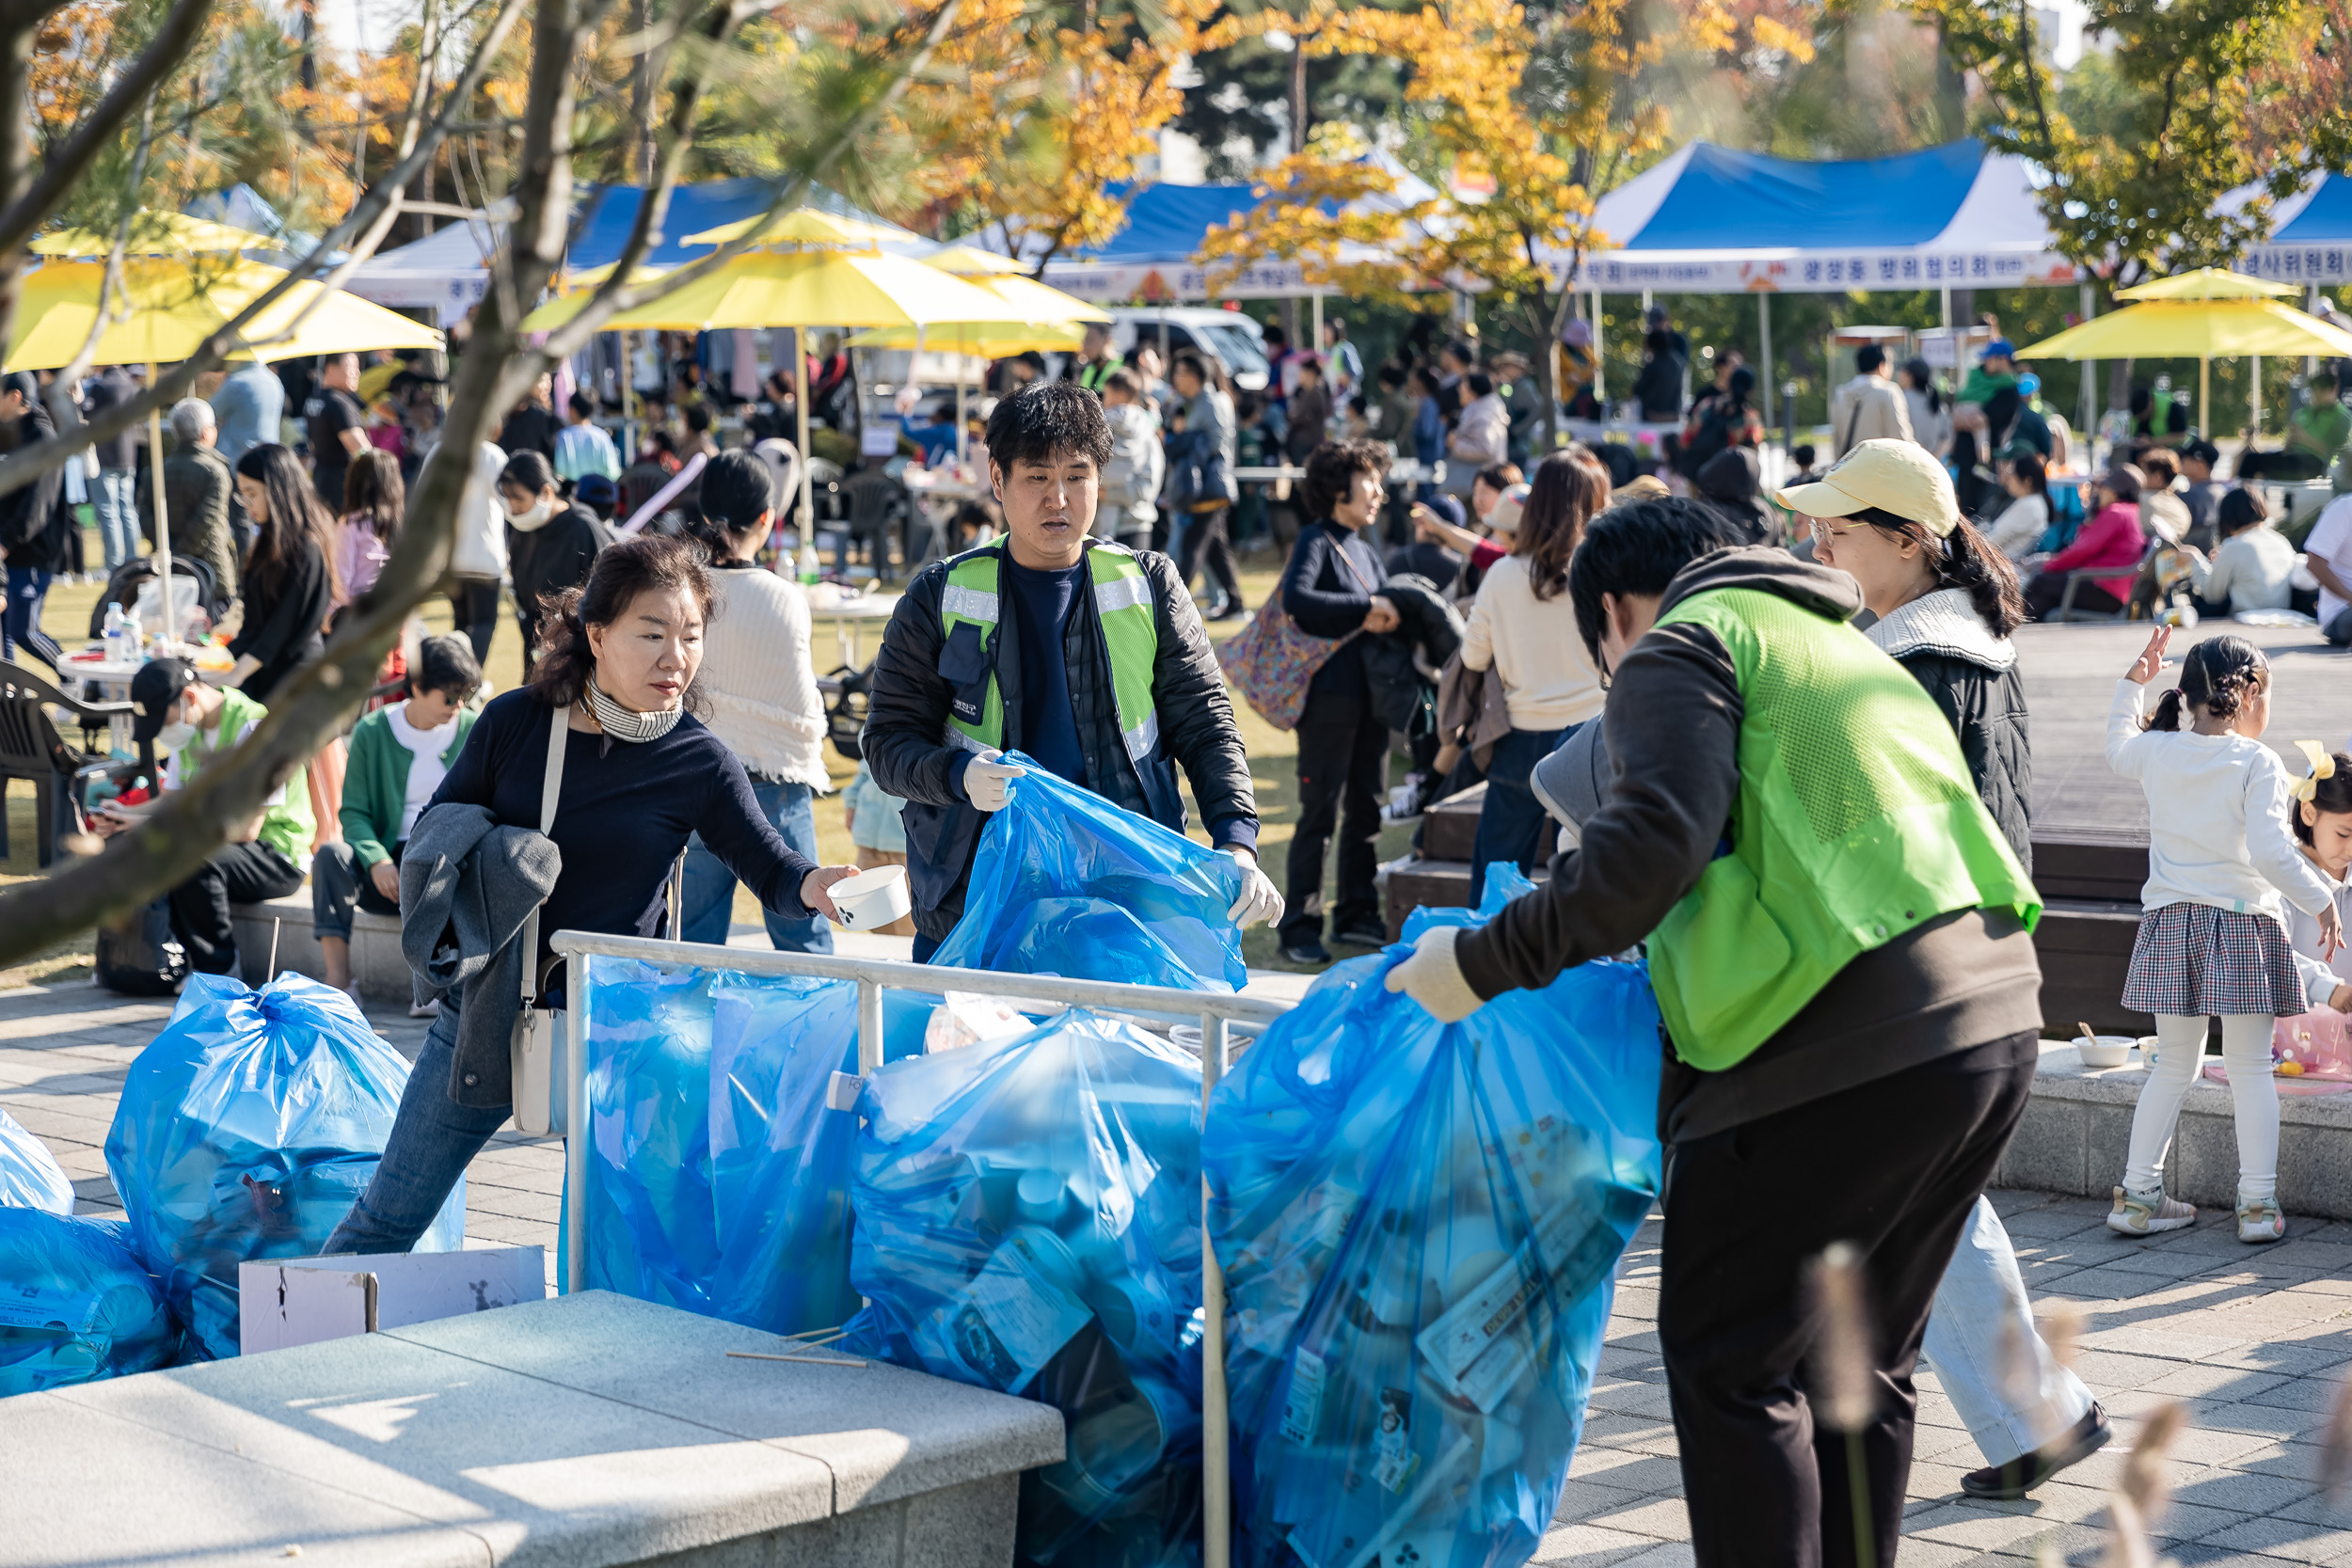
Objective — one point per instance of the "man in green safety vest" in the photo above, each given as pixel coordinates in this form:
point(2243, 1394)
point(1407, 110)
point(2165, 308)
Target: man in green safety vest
point(1840, 940)
point(1085, 655)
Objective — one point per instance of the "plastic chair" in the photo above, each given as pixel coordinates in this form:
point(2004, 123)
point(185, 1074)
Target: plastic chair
point(872, 499)
point(31, 748)
point(2066, 610)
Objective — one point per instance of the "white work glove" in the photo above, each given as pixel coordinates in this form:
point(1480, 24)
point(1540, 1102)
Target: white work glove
point(1430, 976)
point(988, 781)
point(1258, 902)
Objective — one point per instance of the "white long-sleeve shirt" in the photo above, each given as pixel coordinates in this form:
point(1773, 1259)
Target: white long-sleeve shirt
point(1549, 681)
point(2253, 569)
point(2320, 976)
point(759, 678)
point(2217, 806)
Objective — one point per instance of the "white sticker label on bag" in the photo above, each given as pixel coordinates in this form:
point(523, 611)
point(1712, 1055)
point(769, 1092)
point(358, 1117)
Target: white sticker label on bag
point(1011, 1321)
point(1302, 1412)
point(841, 1091)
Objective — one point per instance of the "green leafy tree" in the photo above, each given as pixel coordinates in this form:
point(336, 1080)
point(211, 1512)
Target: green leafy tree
point(2143, 144)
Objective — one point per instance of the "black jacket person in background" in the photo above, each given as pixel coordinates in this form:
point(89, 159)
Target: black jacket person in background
point(33, 522)
point(1014, 647)
point(1334, 586)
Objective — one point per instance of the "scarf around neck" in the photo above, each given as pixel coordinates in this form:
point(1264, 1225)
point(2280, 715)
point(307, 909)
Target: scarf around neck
point(620, 723)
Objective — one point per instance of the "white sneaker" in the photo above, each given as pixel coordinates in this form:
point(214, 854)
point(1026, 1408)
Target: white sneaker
point(2145, 1213)
point(429, 1007)
point(2261, 1219)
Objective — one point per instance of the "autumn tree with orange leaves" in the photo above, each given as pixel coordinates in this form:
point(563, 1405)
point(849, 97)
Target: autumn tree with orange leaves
point(1025, 122)
point(1536, 114)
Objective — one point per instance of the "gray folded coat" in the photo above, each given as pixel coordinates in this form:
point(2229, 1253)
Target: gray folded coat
point(466, 885)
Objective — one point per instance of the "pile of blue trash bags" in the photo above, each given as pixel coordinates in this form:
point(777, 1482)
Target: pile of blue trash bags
point(1419, 1225)
point(246, 1129)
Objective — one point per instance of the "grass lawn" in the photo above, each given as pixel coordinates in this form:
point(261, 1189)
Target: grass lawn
point(1272, 755)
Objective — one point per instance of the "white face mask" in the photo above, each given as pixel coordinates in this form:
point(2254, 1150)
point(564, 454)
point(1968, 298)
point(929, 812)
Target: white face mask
point(534, 516)
point(174, 735)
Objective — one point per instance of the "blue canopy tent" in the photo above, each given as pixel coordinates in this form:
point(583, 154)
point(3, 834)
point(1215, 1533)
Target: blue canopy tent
point(1154, 256)
point(1714, 220)
point(2313, 242)
point(448, 270)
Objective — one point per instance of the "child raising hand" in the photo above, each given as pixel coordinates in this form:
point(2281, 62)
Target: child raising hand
point(2213, 939)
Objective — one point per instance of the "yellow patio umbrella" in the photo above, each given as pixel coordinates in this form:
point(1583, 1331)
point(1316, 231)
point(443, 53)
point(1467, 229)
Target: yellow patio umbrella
point(801, 288)
point(2195, 328)
point(2206, 283)
point(806, 225)
point(154, 233)
point(172, 307)
point(1055, 322)
point(168, 306)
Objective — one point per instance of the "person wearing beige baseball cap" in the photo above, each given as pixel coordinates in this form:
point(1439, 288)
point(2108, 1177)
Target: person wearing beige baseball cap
point(1945, 603)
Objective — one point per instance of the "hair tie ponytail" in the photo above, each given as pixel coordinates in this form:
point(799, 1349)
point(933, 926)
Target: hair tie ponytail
point(2167, 714)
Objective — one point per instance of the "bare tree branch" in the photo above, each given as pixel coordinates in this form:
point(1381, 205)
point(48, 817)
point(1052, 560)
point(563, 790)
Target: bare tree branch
point(63, 411)
point(97, 130)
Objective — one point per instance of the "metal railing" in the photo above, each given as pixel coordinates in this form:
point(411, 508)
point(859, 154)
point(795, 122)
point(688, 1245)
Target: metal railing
point(1215, 1011)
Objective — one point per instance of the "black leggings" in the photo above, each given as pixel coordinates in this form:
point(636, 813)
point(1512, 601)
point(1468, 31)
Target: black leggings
point(474, 604)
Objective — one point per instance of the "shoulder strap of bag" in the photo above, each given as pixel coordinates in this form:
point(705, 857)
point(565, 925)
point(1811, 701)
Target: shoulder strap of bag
point(549, 793)
point(1853, 418)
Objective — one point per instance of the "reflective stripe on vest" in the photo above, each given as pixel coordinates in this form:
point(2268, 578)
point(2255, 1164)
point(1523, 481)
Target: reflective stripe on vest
point(1122, 602)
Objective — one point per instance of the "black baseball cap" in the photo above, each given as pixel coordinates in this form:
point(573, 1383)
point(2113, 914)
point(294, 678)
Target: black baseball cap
point(155, 692)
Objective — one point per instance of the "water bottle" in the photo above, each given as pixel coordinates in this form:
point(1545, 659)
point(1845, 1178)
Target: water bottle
point(113, 640)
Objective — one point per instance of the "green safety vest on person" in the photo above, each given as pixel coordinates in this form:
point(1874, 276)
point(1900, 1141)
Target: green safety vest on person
point(287, 825)
point(1856, 821)
point(1122, 601)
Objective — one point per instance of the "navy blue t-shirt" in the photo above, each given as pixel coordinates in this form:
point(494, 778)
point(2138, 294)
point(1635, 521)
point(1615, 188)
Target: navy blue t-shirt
point(1049, 725)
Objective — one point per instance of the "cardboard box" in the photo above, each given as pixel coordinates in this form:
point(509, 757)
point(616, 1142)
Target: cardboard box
point(284, 1302)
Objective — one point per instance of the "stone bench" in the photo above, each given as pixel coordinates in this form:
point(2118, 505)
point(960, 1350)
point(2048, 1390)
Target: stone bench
point(2076, 1126)
point(586, 1430)
point(377, 967)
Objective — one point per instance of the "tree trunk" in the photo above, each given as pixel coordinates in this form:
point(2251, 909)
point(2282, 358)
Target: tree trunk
point(1298, 144)
point(16, 80)
point(1951, 89)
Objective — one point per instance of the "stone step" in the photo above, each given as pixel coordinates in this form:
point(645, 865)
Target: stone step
point(2078, 1124)
point(589, 1430)
point(1449, 830)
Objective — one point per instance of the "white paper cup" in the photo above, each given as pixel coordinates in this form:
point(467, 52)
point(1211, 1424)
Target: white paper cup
point(873, 898)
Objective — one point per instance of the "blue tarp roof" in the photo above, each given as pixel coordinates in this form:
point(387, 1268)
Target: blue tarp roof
point(693, 209)
point(2327, 216)
point(1166, 224)
point(1725, 196)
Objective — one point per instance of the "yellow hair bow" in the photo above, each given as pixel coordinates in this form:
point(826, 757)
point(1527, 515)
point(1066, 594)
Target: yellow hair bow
point(2323, 766)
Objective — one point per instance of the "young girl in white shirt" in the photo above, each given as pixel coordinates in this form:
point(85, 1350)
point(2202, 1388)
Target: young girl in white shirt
point(2213, 941)
point(2323, 825)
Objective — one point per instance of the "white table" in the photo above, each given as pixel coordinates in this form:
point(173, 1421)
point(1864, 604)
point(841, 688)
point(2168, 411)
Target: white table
point(850, 620)
point(112, 677)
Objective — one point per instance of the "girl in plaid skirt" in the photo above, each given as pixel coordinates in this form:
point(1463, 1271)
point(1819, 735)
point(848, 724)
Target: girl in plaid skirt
point(2213, 941)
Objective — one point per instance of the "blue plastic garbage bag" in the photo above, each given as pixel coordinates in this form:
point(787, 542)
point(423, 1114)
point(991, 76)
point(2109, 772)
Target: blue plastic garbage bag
point(718, 1169)
point(30, 1176)
point(1067, 884)
point(1419, 1225)
point(650, 1230)
point(782, 1131)
point(247, 1129)
point(75, 1305)
point(1028, 1221)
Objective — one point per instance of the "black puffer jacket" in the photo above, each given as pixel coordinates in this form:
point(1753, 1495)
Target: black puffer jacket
point(905, 729)
point(1972, 677)
point(34, 517)
point(1427, 626)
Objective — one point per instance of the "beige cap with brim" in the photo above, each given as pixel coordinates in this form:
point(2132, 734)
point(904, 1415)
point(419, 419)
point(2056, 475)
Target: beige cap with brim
point(1900, 477)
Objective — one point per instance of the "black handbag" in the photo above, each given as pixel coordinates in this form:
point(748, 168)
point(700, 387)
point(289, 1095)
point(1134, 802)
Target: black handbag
point(138, 955)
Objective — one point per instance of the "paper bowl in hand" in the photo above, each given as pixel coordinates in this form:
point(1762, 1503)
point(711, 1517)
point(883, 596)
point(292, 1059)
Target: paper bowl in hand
point(872, 899)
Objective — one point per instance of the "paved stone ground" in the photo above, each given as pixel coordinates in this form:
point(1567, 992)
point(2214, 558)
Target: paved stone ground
point(2254, 1341)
